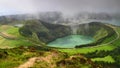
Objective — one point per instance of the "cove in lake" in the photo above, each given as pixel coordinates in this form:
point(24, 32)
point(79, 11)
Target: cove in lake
point(71, 41)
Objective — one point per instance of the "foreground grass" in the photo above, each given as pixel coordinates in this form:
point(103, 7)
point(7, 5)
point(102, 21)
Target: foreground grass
point(45, 58)
point(14, 57)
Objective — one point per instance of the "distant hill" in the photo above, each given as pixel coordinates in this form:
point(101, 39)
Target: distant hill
point(58, 17)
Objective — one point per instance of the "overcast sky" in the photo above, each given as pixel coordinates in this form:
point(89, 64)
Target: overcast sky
point(66, 6)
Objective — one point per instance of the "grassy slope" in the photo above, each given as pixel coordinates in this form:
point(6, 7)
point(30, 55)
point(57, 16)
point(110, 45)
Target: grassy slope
point(9, 43)
point(105, 46)
point(15, 56)
point(86, 50)
point(13, 43)
point(100, 34)
point(46, 58)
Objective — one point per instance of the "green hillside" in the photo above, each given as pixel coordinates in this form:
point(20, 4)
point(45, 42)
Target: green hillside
point(99, 53)
point(29, 44)
point(10, 37)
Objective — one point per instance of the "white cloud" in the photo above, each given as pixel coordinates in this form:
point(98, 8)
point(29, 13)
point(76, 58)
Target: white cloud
point(23, 6)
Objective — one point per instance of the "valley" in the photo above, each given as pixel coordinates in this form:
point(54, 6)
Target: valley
point(59, 33)
point(41, 44)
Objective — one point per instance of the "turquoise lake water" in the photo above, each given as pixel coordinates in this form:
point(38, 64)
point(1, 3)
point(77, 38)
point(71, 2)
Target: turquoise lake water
point(71, 41)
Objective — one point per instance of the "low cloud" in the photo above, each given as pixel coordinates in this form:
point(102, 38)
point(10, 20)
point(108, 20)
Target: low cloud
point(65, 6)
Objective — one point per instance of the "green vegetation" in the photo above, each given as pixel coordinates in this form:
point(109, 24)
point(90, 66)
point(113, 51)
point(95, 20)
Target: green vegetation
point(43, 57)
point(88, 49)
point(30, 40)
point(107, 59)
point(10, 37)
point(100, 34)
point(104, 46)
point(106, 36)
point(46, 32)
point(96, 53)
point(13, 31)
point(15, 57)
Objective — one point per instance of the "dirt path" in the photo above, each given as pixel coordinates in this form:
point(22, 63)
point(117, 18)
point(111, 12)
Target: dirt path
point(8, 36)
point(31, 61)
point(118, 36)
